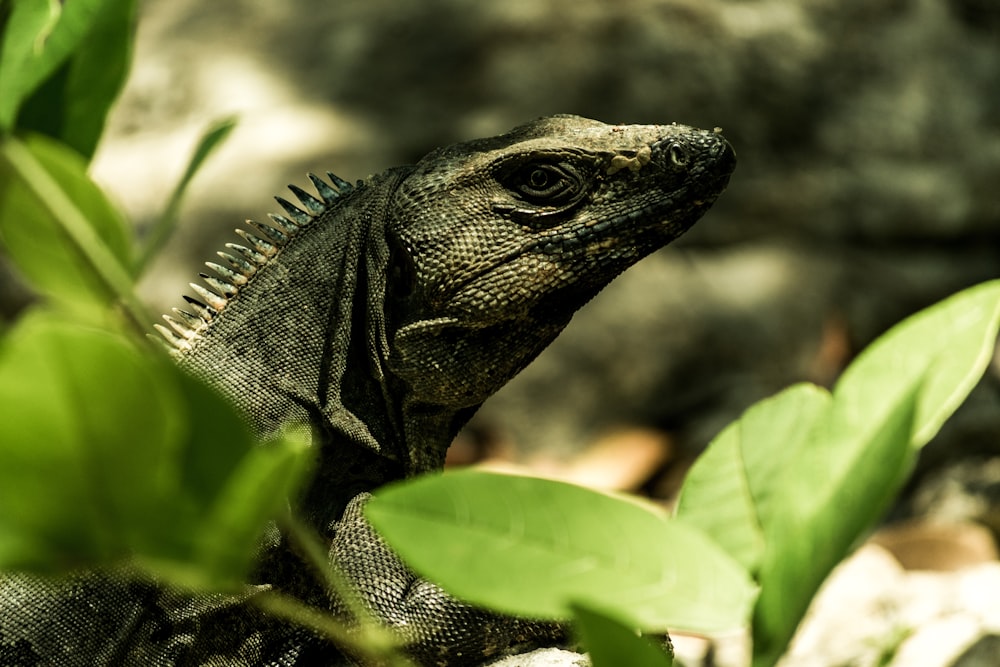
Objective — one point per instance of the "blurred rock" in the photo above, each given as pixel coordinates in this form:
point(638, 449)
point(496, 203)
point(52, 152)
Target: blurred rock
point(965, 490)
point(871, 612)
point(546, 657)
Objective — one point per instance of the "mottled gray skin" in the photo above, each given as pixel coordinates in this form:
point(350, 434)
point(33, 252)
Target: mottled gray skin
point(381, 318)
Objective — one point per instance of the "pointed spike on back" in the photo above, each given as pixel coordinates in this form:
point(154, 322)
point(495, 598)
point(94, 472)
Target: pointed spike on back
point(213, 300)
point(192, 321)
point(263, 247)
point(276, 237)
point(178, 343)
point(339, 183)
point(203, 311)
point(168, 347)
point(251, 256)
point(297, 214)
point(328, 194)
point(245, 268)
point(181, 328)
point(283, 223)
point(220, 286)
point(227, 274)
point(267, 247)
point(312, 204)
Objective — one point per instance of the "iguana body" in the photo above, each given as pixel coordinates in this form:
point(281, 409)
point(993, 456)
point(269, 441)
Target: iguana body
point(382, 316)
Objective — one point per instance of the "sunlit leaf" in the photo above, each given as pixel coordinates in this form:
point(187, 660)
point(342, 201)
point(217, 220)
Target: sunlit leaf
point(732, 488)
point(257, 490)
point(791, 487)
point(533, 547)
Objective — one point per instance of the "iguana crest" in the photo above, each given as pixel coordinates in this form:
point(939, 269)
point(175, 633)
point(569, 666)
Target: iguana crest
point(242, 266)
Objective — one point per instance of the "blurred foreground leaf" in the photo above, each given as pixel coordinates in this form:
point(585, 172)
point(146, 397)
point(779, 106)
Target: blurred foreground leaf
point(108, 453)
point(164, 227)
point(61, 66)
point(61, 231)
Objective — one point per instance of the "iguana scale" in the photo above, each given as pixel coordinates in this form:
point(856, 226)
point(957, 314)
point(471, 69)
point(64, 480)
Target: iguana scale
point(381, 316)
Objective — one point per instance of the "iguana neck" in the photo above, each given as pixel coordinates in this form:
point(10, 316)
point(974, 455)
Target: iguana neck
point(304, 340)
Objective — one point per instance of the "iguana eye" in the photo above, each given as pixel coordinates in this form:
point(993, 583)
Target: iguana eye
point(545, 183)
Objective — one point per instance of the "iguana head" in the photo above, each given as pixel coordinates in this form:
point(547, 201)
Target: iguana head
point(495, 243)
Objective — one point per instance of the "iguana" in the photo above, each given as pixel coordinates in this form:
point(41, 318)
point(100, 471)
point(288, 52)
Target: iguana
point(381, 315)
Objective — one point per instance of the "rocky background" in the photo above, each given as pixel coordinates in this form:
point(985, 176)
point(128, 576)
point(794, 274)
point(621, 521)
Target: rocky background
point(868, 136)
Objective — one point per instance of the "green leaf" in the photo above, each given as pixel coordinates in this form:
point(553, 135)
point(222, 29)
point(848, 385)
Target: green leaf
point(88, 432)
point(62, 65)
point(61, 230)
point(256, 491)
point(533, 547)
point(789, 488)
point(611, 643)
point(32, 49)
point(731, 489)
point(164, 227)
point(107, 452)
point(827, 506)
point(946, 346)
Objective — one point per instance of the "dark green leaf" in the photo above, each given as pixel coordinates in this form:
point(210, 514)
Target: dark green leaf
point(611, 643)
point(257, 490)
point(62, 65)
point(219, 446)
point(532, 547)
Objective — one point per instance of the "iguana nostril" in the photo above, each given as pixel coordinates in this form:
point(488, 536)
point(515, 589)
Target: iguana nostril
point(678, 154)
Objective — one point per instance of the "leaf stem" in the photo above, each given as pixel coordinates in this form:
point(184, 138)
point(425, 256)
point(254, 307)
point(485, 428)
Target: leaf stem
point(370, 647)
point(165, 225)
